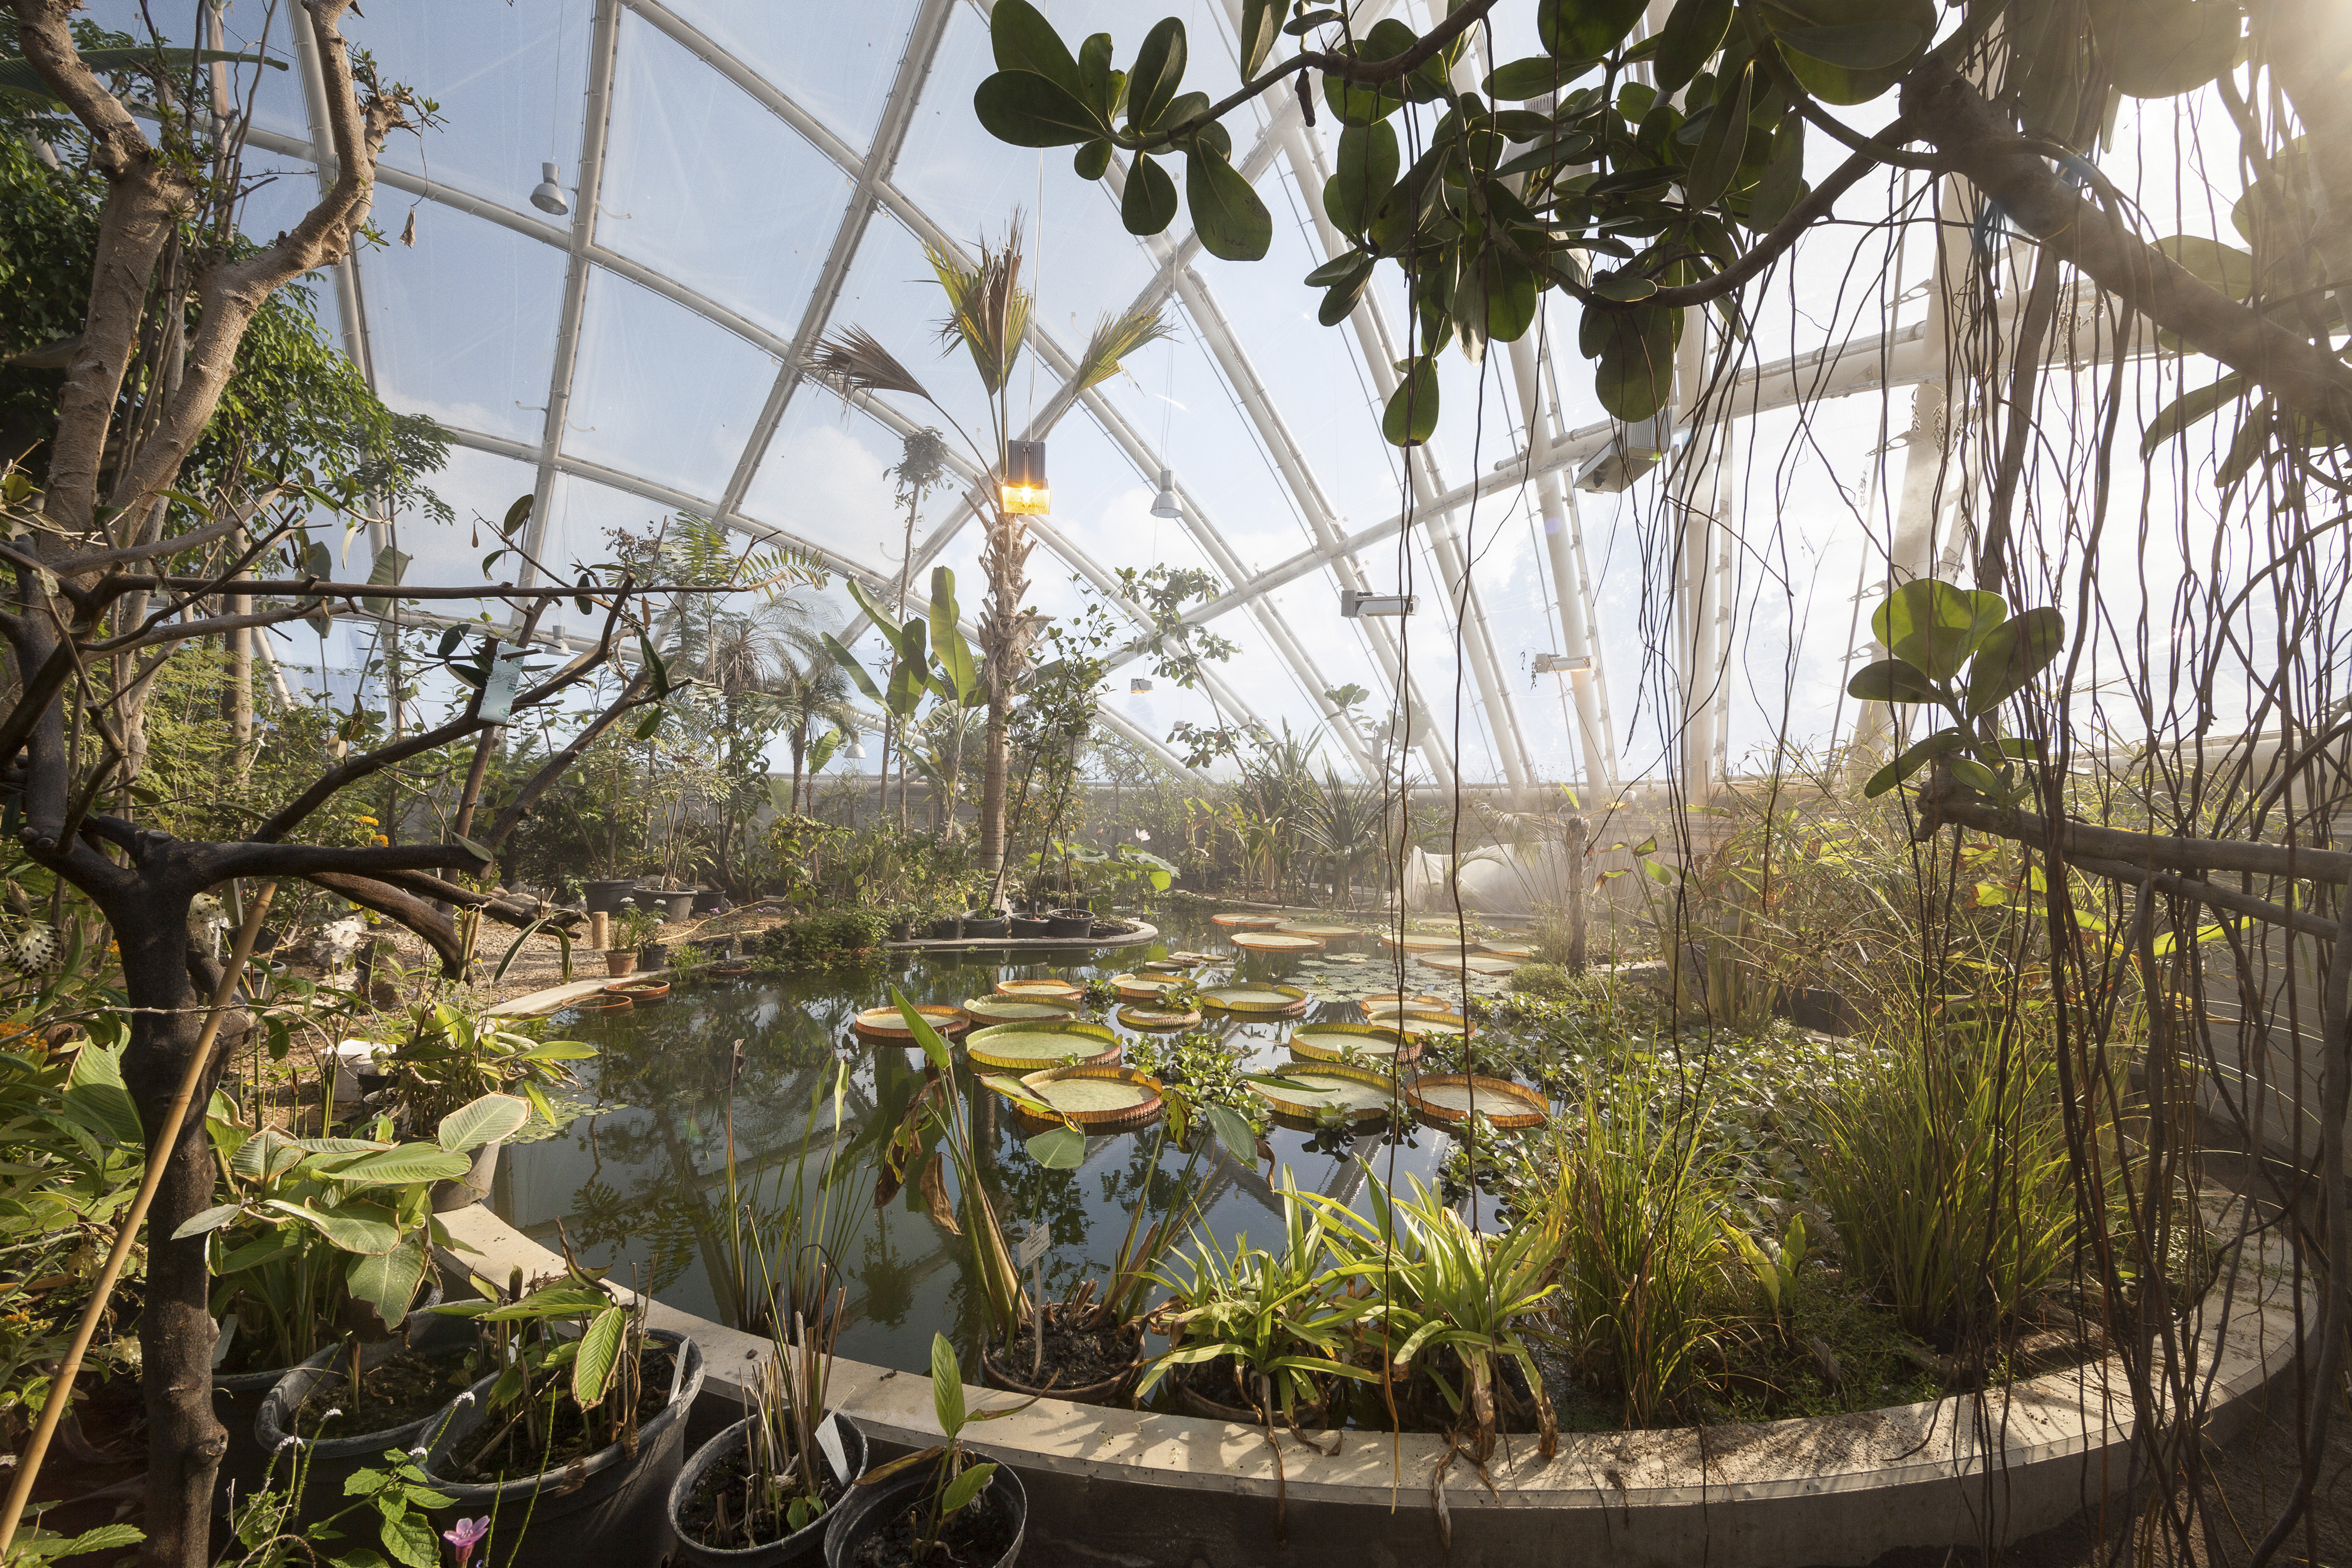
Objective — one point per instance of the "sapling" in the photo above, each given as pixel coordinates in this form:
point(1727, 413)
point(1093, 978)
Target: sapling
point(957, 1479)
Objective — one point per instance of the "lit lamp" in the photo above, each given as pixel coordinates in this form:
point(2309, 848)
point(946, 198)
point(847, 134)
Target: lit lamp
point(1355, 604)
point(1165, 504)
point(1561, 664)
point(1026, 493)
point(547, 196)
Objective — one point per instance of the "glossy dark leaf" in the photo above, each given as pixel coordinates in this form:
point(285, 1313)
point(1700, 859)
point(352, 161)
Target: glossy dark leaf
point(1936, 626)
point(2165, 48)
point(1098, 85)
point(1912, 760)
point(1410, 417)
point(1344, 267)
point(1693, 32)
point(1511, 298)
point(2018, 650)
point(1148, 205)
point(1783, 183)
point(1354, 104)
point(1892, 681)
point(1261, 25)
point(1854, 45)
point(1158, 73)
point(1232, 224)
point(1636, 369)
point(1363, 172)
point(1025, 41)
point(1092, 161)
point(1535, 77)
point(1028, 110)
point(2192, 409)
point(1968, 770)
point(1585, 29)
point(1721, 144)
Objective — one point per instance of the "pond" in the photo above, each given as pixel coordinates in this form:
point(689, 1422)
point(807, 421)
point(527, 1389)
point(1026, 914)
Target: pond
point(637, 1181)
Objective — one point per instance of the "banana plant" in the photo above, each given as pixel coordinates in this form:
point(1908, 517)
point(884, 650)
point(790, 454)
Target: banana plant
point(318, 1233)
point(1961, 650)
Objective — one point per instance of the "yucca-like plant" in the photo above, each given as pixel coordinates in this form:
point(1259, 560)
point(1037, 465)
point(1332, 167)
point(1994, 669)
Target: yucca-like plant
point(1448, 1302)
point(989, 316)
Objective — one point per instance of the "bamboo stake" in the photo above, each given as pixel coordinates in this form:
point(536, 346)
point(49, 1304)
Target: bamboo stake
point(53, 1409)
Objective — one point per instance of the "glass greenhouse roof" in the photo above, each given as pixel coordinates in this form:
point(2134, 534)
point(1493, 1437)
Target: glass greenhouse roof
point(742, 179)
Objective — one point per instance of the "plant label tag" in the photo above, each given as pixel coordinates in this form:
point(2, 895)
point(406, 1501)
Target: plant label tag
point(828, 1437)
point(1034, 1245)
point(499, 685)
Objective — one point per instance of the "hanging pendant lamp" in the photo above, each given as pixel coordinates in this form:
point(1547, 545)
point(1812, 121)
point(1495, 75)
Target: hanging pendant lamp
point(547, 196)
point(1025, 492)
point(1166, 505)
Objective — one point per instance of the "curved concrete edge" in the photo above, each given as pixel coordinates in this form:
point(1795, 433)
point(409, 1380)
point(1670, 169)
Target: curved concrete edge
point(1831, 1491)
point(555, 998)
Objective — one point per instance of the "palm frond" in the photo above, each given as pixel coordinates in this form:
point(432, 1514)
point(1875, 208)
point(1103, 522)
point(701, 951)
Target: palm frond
point(988, 310)
point(1115, 337)
point(851, 362)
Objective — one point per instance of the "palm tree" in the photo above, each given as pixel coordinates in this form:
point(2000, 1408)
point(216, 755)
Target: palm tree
point(813, 693)
point(988, 314)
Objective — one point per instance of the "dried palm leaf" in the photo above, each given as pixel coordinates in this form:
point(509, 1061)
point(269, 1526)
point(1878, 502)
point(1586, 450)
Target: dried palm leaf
point(851, 362)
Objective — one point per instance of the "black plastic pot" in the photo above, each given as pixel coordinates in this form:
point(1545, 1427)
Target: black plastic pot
point(871, 1507)
point(948, 929)
point(474, 1186)
point(653, 956)
point(1030, 926)
point(1068, 923)
point(803, 1546)
point(326, 1462)
point(608, 1509)
point(709, 901)
point(236, 1402)
point(605, 897)
point(982, 924)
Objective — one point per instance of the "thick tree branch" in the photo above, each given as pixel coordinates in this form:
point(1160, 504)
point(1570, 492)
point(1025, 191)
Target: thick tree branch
point(393, 905)
point(2141, 852)
point(633, 696)
point(1978, 144)
point(2204, 892)
point(220, 863)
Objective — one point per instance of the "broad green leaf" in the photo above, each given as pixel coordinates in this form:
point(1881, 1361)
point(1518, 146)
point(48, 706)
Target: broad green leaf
point(2212, 263)
point(1892, 681)
point(1911, 761)
point(1854, 46)
point(2192, 409)
point(1364, 173)
point(2018, 650)
point(1693, 31)
point(1538, 76)
point(387, 1282)
point(1585, 29)
point(947, 1386)
point(656, 669)
point(1511, 298)
point(1968, 770)
point(1091, 161)
point(1782, 184)
point(1261, 25)
point(966, 1487)
point(1410, 417)
point(95, 1097)
point(600, 1351)
point(925, 1035)
point(408, 1536)
point(852, 668)
point(1936, 626)
point(1722, 144)
point(1636, 368)
point(2162, 48)
point(1023, 40)
point(488, 1120)
point(1158, 73)
point(1232, 224)
point(1234, 1131)
point(366, 1227)
point(393, 1167)
point(1851, 28)
point(1059, 1148)
point(1030, 111)
point(1148, 206)
point(211, 1219)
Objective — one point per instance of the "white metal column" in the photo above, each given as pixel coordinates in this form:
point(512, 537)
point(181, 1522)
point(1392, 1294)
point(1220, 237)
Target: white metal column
point(1573, 593)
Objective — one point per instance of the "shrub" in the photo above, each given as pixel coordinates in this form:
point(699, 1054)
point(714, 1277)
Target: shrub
point(823, 938)
point(1542, 980)
point(1945, 1170)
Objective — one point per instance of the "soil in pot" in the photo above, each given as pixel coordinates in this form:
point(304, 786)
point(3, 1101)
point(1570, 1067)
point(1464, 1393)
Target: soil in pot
point(710, 1513)
point(977, 1537)
point(1080, 1355)
point(404, 1386)
point(512, 1454)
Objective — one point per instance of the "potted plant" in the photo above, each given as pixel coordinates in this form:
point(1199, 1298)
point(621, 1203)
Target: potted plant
point(939, 1504)
point(633, 939)
point(317, 1235)
point(448, 1058)
point(986, 923)
point(570, 1449)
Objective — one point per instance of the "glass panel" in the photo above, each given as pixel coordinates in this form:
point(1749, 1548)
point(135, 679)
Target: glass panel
point(462, 325)
point(660, 391)
point(710, 189)
point(836, 61)
point(826, 479)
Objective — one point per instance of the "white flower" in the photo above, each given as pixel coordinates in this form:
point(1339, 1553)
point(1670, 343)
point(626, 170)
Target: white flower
point(332, 1413)
point(286, 1442)
point(468, 1396)
point(417, 1452)
point(1142, 837)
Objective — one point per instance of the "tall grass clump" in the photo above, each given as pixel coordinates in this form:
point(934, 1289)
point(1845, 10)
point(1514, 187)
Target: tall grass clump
point(1944, 1167)
point(1644, 1289)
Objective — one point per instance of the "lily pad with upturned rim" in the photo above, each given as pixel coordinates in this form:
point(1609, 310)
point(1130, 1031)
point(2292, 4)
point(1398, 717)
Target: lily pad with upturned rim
point(1476, 963)
point(1359, 1093)
point(1237, 922)
point(1012, 1009)
point(1026, 1048)
point(1151, 1020)
point(1041, 990)
point(1095, 1096)
point(1320, 933)
point(1142, 987)
point(1348, 1042)
point(1277, 942)
point(1257, 1001)
point(888, 1023)
point(1523, 951)
point(1448, 1100)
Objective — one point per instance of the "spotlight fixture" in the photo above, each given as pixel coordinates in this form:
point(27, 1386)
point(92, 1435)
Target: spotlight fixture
point(1166, 505)
point(1139, 686)
point(857, 749)
point(1628, 457)
point(547, 196)
point(1355, 604)
point(1026, 493)
point(1560, 663)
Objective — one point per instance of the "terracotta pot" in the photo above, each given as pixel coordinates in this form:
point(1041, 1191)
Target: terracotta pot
point(617, 963)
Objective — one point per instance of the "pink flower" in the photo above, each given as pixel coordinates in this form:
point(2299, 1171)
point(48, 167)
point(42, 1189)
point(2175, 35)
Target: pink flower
point(467, 1536)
